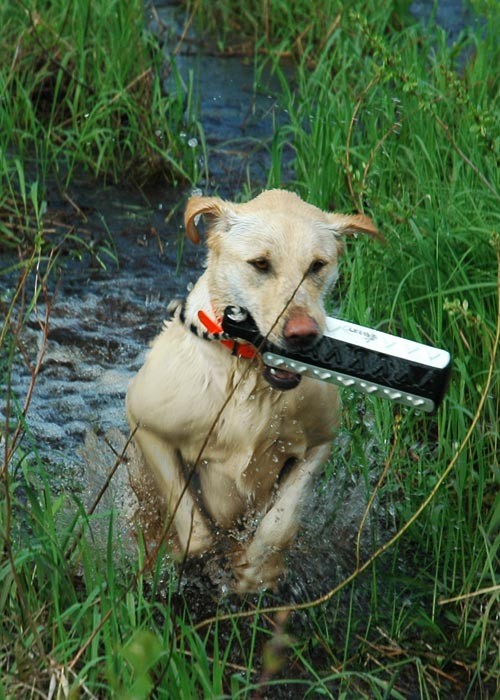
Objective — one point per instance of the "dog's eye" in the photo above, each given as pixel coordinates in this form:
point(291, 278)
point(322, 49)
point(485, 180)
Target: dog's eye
point(317, 266)
point(261, 264)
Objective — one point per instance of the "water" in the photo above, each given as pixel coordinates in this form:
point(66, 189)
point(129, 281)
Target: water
point(100, 324)
point(452, 15)
point(238, 117)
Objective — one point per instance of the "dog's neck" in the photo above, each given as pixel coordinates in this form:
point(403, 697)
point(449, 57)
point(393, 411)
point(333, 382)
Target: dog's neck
point(201, 318)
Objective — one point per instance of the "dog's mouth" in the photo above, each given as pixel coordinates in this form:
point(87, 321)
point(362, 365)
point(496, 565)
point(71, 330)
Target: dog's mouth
point(281, 379)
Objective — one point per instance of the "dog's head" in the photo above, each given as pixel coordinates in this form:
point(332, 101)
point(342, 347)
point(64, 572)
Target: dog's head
point(276, 256)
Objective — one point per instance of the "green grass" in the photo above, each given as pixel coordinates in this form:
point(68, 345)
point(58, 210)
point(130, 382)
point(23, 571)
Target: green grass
point(82, 95)
point(405, 128)
point(84, 81)
point(290, 29)
point(383, 118)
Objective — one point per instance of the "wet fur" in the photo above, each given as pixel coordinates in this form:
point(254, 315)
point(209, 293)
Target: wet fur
point(261, 457)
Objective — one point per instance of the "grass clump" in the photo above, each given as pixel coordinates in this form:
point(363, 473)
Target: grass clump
point(290, 29)
point(83, 95)
point(84, 87)
point(79, 625)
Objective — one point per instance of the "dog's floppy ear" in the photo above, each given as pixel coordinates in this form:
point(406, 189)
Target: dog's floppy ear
point(351, 225)
point(196, 206)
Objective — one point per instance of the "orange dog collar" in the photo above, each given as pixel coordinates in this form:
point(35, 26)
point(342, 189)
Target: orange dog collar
point(239, 349)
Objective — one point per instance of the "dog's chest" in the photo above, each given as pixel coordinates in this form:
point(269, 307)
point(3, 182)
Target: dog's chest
point(264, 427)
point(258, 436)
point(245, 455)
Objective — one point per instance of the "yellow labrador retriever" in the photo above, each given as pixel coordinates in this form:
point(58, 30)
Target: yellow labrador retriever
point(233, 445)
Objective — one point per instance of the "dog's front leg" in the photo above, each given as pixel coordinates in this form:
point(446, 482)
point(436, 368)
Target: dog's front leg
point(165, 463)
point(259, 566)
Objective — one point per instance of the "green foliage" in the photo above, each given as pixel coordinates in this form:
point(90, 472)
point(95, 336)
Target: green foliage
point(288, 28)
point(385, 119)
point(84, 87)
point(405, 128)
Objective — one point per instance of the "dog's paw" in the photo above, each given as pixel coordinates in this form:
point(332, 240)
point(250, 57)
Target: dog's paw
point(257, 574)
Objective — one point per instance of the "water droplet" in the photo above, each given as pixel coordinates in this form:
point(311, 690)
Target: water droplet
point(193, 142)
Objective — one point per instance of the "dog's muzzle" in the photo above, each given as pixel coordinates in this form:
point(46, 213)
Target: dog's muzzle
point(281, 379)
point(298, 338)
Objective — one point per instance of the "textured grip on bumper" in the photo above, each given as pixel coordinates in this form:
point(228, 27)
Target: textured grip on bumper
point(360, 358)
